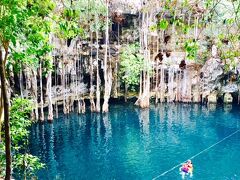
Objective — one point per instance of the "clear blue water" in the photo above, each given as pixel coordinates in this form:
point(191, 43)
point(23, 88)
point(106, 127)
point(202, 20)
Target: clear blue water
point(130, 143)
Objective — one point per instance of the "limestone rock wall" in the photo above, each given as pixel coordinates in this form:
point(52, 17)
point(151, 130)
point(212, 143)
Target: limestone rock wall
point(211, 75)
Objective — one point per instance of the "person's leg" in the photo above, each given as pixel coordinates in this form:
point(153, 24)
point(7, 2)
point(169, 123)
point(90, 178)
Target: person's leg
point(191, 174)
point(183, 175)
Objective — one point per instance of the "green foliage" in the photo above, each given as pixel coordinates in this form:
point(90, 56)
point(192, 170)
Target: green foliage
point(25, 26)
point(97, 11)
point(195, 20)
point(19, 120)
point(230, 54)
point(67, 24)
point(24, 164)
point(182, 26)
point(71, 13)
point(163, 24)
point(47, 65)
point(204, 56)
point(17, 18)
point(131, 64)
point(78, 18)
point(230, 57)
point(2, 159)
point(191, 48)
point(69, 29)
point(208, 3)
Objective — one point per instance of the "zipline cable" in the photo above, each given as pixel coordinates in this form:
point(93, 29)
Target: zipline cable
point(196, 154)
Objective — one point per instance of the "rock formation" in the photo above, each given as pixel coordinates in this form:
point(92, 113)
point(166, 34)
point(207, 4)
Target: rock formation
point(211, 74)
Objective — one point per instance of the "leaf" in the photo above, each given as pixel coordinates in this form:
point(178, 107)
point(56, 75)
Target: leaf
point(163, 24)
point(153, 28)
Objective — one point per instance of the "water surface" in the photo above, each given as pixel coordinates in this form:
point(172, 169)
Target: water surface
point(130, 143)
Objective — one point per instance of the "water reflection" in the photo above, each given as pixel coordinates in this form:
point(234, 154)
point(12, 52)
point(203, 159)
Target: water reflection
point(212, 107)
point(51, 156)
point(143, 116)
point(228, 107)
point(133, 143)
point(107, 126)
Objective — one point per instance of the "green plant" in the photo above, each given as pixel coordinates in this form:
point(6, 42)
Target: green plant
point(163, 24)
point(191, 48)
point(25, 26)
point(24, 164)
point(153, 28)
point(131, 64)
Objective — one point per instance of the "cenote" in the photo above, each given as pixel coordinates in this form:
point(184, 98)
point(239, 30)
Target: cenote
point(133, 143)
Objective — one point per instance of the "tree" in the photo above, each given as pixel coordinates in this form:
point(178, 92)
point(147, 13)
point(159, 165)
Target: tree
point(107, 66)
point(24, 28)
point(131, 65)
point(24, 164)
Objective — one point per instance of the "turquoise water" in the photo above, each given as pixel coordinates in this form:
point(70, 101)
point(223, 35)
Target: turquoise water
point(130, 143)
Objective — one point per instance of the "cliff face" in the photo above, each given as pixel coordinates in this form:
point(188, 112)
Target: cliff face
point(78, 72)
point(212, 73)
point(219, 83)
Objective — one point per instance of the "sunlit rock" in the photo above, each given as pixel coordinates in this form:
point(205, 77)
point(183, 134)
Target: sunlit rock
point(230, 88)
point(211, 74)
point(196, 96)
point(212, 98)
point(214, 51)
point(228, 99)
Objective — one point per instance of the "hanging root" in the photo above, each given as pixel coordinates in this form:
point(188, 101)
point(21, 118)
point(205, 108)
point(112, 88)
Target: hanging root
point(71, 104)
point(93, 106)
point(66, 106)
point(81, 106)
point(56, 109)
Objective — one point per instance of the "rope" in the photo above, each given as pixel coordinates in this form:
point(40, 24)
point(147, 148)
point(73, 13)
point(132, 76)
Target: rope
point(196, 154)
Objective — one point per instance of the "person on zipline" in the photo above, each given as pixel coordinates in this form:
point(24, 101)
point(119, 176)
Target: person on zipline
point(187, 168)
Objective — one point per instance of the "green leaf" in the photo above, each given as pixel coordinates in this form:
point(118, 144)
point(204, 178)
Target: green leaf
point(153, 28)
point(163, 24)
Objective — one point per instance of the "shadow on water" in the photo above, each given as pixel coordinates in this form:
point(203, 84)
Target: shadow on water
point(133, 143)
